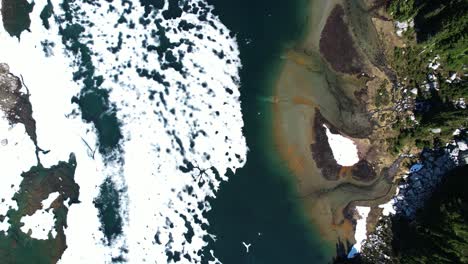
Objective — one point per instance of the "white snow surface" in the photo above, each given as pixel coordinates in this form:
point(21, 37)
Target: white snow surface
point(388, 208)
point(434, 65)
point(361, 230)
point(17, 155)
point(462, 146)
point(50, 199)
point(41, 223)
point(4, 225)
point(453, 76)
point(401, 27)
point(344, 150)
point(195, 122)
point(51, 89)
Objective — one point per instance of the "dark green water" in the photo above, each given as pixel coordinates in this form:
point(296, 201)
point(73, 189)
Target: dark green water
point(259, 204)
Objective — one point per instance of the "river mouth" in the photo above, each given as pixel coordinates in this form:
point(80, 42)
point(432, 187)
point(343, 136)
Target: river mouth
point(320, 84)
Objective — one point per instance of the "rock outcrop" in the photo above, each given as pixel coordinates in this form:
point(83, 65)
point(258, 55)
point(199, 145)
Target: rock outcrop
point(418, 185)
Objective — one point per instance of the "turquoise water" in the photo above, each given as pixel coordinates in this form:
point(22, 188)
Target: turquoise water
point(258, 205)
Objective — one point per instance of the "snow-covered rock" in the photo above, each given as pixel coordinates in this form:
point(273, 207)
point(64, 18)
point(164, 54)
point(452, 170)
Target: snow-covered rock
point(388, 206)
point(462, 145)
point(460, 103)
point(402, 27)
point(424, 177)
point(434, 64)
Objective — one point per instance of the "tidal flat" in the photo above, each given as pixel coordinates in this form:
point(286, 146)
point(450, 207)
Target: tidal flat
point(323, 80)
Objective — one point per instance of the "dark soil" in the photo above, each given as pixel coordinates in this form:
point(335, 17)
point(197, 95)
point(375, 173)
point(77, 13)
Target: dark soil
point(363, 171)
point(337, 46)
point(321, 150)
point(323, 155)
point(37, 184)
point(362, 96)
point(21, 111)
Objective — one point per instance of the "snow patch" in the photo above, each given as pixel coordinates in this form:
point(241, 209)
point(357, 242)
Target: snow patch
point(361, 230)
point(344, 149)
point(194, 117)
point(460, 103)
point(51, 87)
point(4, 226)
point(462, 146)
point(41, 223)
point(434, 64)
point(388, 207)
point(50, 199)
point(17, 155)
point(402, 27)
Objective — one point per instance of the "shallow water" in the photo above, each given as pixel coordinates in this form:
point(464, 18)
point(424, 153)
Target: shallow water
point(307, 86)
point(284, 81)
point(155, 136)
point(260, 204)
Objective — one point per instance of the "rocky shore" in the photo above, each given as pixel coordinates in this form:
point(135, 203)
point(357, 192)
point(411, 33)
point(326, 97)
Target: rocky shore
point(415, 188)
point(418, 185)
point(15, 102)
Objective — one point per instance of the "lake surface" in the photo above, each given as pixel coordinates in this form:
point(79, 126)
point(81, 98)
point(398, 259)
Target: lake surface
point(259, 205)
point(282, 202)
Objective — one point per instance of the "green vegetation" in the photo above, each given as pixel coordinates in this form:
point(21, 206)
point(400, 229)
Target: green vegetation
point(420, 135)
point(440, 232)
point(382, 97)
point(441, 26)
point(17, 247)
point(439, 36)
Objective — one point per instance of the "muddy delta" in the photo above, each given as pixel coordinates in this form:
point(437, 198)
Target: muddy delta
point(327, 78)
